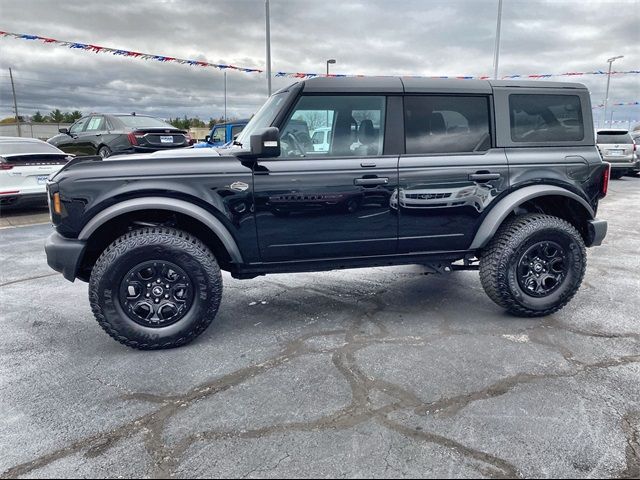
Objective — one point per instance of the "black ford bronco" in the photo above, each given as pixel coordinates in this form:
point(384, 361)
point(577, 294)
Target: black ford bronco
point(500, 176)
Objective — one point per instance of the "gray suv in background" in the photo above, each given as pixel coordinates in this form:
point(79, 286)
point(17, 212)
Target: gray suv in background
point(617, 148)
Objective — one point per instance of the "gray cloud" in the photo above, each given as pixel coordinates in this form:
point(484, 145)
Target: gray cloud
point(366, 37)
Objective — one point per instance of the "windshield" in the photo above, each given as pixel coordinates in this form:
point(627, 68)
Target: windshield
point(264, 118)
point(137, 121)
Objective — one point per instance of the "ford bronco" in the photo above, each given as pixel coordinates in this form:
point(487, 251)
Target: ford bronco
point(503, 177)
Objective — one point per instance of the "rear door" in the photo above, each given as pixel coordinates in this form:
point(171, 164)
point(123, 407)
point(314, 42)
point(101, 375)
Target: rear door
point(450, 173)
point(331, 204)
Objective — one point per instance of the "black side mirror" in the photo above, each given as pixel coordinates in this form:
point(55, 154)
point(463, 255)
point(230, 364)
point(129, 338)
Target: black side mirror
point(64, 130)
point(264, 143)
point(207, 138)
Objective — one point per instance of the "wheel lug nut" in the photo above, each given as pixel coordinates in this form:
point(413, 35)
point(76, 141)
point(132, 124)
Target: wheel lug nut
point(167, 285)
point(158, 280)
point(148, 295)
point(166, 296)
point(148, 284)
point(157, 300)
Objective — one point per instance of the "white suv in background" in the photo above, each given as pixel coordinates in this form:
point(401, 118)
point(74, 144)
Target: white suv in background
point(25, 165)
point(617, 148)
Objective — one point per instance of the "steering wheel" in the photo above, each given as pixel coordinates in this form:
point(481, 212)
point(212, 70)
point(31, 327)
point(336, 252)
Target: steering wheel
point(296, 143)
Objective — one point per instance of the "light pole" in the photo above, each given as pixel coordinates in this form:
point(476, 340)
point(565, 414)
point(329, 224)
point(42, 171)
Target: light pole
point(330, 61)
point(225, 96)
point(496, 49)
point(268, 31)
point(606, 96)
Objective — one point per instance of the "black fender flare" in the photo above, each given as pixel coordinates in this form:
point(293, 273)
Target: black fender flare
point(170, 204)
point(505, 206)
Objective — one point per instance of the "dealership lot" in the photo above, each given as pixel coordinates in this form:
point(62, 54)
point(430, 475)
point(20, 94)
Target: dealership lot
point(362, 373)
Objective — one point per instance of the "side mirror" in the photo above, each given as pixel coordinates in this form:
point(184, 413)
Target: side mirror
point(207, 138)
point(264, 143)
point(64, 130)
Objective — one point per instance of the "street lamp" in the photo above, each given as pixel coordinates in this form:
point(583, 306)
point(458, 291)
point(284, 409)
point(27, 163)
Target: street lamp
point(331, 61)
point(606, 96)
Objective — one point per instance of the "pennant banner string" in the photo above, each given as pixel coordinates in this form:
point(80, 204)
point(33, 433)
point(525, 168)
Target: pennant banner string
point(301, 75)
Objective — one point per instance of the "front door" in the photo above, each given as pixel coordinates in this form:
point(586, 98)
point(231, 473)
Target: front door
point(69, 143)
point(449, 174)
point(328, 204)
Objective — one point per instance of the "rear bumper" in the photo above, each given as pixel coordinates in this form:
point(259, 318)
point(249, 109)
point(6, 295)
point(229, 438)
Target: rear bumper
point(597, 230)
point(23, 200)
point(64, 255)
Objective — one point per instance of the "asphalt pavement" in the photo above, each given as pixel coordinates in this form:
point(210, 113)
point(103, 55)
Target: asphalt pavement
point(378, 372)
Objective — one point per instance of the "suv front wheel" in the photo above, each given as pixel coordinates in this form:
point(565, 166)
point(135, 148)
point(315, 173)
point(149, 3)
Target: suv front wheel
point(534, 265)
point(155, 288)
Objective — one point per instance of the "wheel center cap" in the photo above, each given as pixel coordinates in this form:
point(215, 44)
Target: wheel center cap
point(157, 291)
point(537, 267)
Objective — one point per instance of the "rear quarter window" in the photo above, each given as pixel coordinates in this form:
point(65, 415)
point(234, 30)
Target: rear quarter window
point(540, 118)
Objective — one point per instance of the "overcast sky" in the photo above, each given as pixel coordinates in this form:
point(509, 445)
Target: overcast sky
point(412, 37)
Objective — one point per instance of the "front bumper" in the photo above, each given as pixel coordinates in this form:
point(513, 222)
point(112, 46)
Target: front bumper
point(597, 230)
point(64, 255)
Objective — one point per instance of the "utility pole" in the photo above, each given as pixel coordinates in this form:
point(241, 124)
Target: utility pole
point(268, 31)
point(496, 49)
point(225, 96)
point(606, 96)
point(15, 103)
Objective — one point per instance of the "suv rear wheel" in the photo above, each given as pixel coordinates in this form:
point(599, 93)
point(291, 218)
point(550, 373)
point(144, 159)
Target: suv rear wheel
point(534, 265)
point(155, 288)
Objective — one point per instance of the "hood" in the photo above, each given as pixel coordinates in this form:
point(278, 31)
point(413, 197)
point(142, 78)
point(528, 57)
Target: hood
point(177, 153)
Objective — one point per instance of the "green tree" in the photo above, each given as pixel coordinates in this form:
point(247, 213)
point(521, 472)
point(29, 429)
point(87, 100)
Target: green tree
point(56, 116)
point(37, 117)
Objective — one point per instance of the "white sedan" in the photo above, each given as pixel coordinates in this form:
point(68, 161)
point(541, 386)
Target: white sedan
point(25, 165)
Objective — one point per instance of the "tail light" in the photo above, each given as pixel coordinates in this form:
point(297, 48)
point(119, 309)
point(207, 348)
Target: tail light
point(5, 166)
point(132, 139)
point(605, 180)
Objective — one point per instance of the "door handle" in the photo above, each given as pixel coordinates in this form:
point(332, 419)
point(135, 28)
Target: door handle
point(368, 164)
point(368, 182)
point(483, 176)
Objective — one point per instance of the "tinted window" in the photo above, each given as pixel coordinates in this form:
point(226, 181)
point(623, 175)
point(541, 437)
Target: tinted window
point(137, 121)
point(614, 137)
point(95, 124)
point(356, 126)
point(545, 118)
point(441, 124)
point(17, 147)
point(79, 125)
point(235, 130)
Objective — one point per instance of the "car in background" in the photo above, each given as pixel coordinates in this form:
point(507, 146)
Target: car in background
point(25, 165)
point(114, 134)
point(321, 139)
point(617, 148)
point(222, 133)
point(635, 135)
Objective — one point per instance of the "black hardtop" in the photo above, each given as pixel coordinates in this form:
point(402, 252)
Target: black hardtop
point(422, 85)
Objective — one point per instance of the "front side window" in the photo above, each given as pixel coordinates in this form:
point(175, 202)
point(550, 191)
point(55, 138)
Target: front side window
point(78, 126)
point(339, 125)
point(219, 135)
point(545, 118)
point(446, 124)
point(95, 124)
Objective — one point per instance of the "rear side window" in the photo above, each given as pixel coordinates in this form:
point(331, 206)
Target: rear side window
point(446, 124)
point(614, 137)
point(545, 118)
point(235, 130)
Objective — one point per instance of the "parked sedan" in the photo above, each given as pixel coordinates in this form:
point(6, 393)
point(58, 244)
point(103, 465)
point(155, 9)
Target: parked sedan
point(107, 135)
point(616, 147)
point(25, 165)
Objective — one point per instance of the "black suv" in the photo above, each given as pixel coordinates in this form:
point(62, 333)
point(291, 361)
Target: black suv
point(106, 135)
point(499, 176)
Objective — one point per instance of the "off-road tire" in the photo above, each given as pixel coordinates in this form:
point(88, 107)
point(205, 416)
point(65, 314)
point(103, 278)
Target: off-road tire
point(146, 244)
point(617, 174)
point(499, 260)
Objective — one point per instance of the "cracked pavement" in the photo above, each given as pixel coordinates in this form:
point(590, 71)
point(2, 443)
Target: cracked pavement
point(379, 372)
